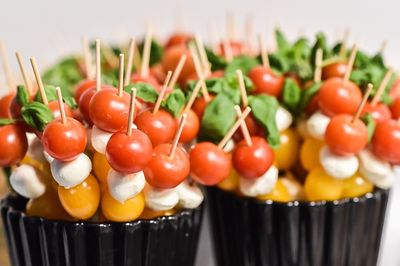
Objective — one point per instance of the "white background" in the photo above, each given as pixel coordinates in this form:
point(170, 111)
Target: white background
point(47, 29)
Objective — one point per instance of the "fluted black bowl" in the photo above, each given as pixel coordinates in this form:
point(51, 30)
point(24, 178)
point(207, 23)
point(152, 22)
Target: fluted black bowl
point(249, 232)
point(169, 240)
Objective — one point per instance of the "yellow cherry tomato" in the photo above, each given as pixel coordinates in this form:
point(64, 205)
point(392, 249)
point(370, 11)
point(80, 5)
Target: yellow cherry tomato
point(82, 200)
point(309, 153)
point(230, 183)
point(293, 186)
point(101, 167)
point(48, 206)
point(279, 193)
point(320, 186)
point(287, 153)
point(356, 186)
point(149, 214)
point(32, 162)
point(117, 211)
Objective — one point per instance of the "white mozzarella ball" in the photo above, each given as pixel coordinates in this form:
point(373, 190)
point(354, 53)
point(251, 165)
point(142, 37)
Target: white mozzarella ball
point(283, 119)
point(30, 137)
point(260, 185)
point(70, 174)
point(338, 166)
point(317, 124)
point(48, 157)
point(385, 182)
point(26, 182)
point(160, 199)
point(372, 167)
point(190, 196)
point(123, 187)
point(35, 150)
point(99, 139)
point(229, 146)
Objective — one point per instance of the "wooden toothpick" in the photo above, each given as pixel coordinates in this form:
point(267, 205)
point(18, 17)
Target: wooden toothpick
point(226, 44)
point(342, 51)
point(263, 51)
point(193, 96)
point(203, 56)
point(98, 66)
point(39, 81)
point(25, 76)
point(162, 92)
point(233, 129)
point(121, 75)
point(382, 87)
point(61, 105)
point(196, 61)
point(6, 67)
point(178, 134)
point(243, 127)
point(131, 111)
point(146, 53)
point(350, 63)
point(242, 88)
point(131, 54)
point(177, 71)
point(318, 65)
point(87, 56)
point(204, 91)
point(363, 102)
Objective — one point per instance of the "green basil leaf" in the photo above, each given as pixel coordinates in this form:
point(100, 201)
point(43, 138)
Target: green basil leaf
point(175, 102)
point(219, 116)
point(279, 62)
point(307, 95)
point(144, 91)
point(217, 62)
point(321, 42)
point(37, 115)
point(264, 109)
point(6, 121)
point(242, 62)
point(156, 52)
point(22, 95)
point(51, 94)
point(281, 42)
point(370, 124)
point(291, 95)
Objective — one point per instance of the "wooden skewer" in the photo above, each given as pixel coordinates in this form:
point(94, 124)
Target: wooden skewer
point(6, 67)
point(178, 134)
point(87, 58)
point(318, 65)
point(382, 87)
point(131, 54)
point(228, 50)
point(146, 54)
point(137, 60)
point(39, 81)
point(203, 55)
point(193, 96)
point(121, 75)
point(363, 102)
point(177, 71)
point(242, 88)
point(233, 129)
point(196, 61)
point(98, 66)
point(263, 51)
point(350, 63)
point(131, 111)
point(205, 93)
point(342, 51)
point(383, 46)
point(162, 93)
point(244, 128)
point(109, 55)
point(27, 80)
point(213, 37)
point(61, 105)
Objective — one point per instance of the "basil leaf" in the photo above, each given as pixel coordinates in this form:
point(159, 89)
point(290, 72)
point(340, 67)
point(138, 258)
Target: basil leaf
point(219, 116)
point(242, 62)
point(370, 124)
point(320, 43)
point(22, 95)
point(51, 94)
point(6, 121)
point(174, 103)
point(307, 95)
point(217, 62)
point(264, 109)
point(279, 62)
point(281, 42)
point(156, 52)
point(291, 95)
point(144, 91)
point(37, 115)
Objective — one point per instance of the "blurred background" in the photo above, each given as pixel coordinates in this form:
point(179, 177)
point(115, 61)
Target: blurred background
point(49, 29)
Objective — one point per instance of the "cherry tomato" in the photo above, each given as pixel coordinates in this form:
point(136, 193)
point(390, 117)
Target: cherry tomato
point(129, 154)
point(356, 186)
point(200, 105)
point(379, 112)
point(101, 167)
point(208, 164)
point(160, 127)
point(83, 86)
point(55, 109)
point(14, 145)
point(84, 103)
point(386, 141)
point(5, 105)
point(164, 171)
point(217, 74)
point(321, 186)
point(178, 38)
point(252, 161)
point(335, 70)
point(230, 183)
point(312, 106)
point(191, 127)
point(395, 108)
point(287, 154)
point(157, 71)
point(345, 136)
point(136, 77)
point(339, 97)
point(171, 58)
point(252, 125)
point(47, 206)
point(279, 193)
point(108, 111)
point(237, 48)
point(266, 81)
point(395, 90)
point(126, 211)
point(64, 142)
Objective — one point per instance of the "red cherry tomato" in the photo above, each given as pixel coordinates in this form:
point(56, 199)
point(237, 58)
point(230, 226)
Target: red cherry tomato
point(83, 86)
point(345, 136)
point(164, 171)
point(217, 74)
point(252, 161)
point(395, 108)
point(129, 154)
point(237, 48)
point(337, 96)
point(386, 141)
point(55, 109)
point(200, 105)
point(108, 111)
point(13, 145)
point(266, 81)
point(395, 90)
point(66, 141)
point(335, 70)
point(157, 71)
point(171, 58)
point(84, 102)
point(253, 126)
point(380, 112)
point(208, 164)
point(160, 127)
point(178, 38)
point(5, 104)
point(191, 127)
point(136, 77)
point(312, 106)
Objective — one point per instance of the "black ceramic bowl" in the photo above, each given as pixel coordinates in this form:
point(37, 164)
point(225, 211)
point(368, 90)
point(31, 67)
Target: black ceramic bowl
point(249, 232)
point(170, 240)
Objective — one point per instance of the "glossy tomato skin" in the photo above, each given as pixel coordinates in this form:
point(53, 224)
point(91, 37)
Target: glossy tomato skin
point(200, 105)
point(129, 154)
point(178, 38)
point(84, 104)
point(386, 141)
point(160, 127)
point(266, 81)
point(345, 136)
point(136, 77)
point(191, 127)
point(339, 97)
point(157, 71)
point(395, 90)
point(208, 164)
point(237, 48)
point(379, 112)
point(55, 109)
point(83, 86)
point(171, 58)
point(5, 104)
point(395, 108)
point(252, 161)
point(108, 111)
point(164, 171)
point(64, 142)
point(335, 70)
point(14, 145)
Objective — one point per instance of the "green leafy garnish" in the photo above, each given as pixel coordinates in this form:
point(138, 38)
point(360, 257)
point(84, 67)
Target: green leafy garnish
point(291, 95)
point(174, 103)
point(244, 63)
point(36, 115)
point(307, 95)
point(51, 94)
point(370, 124)
point(144, 91)
point(6, 121)
point(217, 62)
point(156, 52)
point(22, 95)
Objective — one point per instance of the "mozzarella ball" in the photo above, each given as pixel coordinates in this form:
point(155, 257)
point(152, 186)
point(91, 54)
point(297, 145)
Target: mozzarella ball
point(47, 156)
point(283, 119)
point(35, 150)
point(372, 167)
point(260, 185)
point(384, 182)
point(317, 124)
point(160, 199)
point(99, 139)
point(229, 146)
point(190, 196)
point(26, 182)
point(70, 174)
point(123, 187)
point(340, 167)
